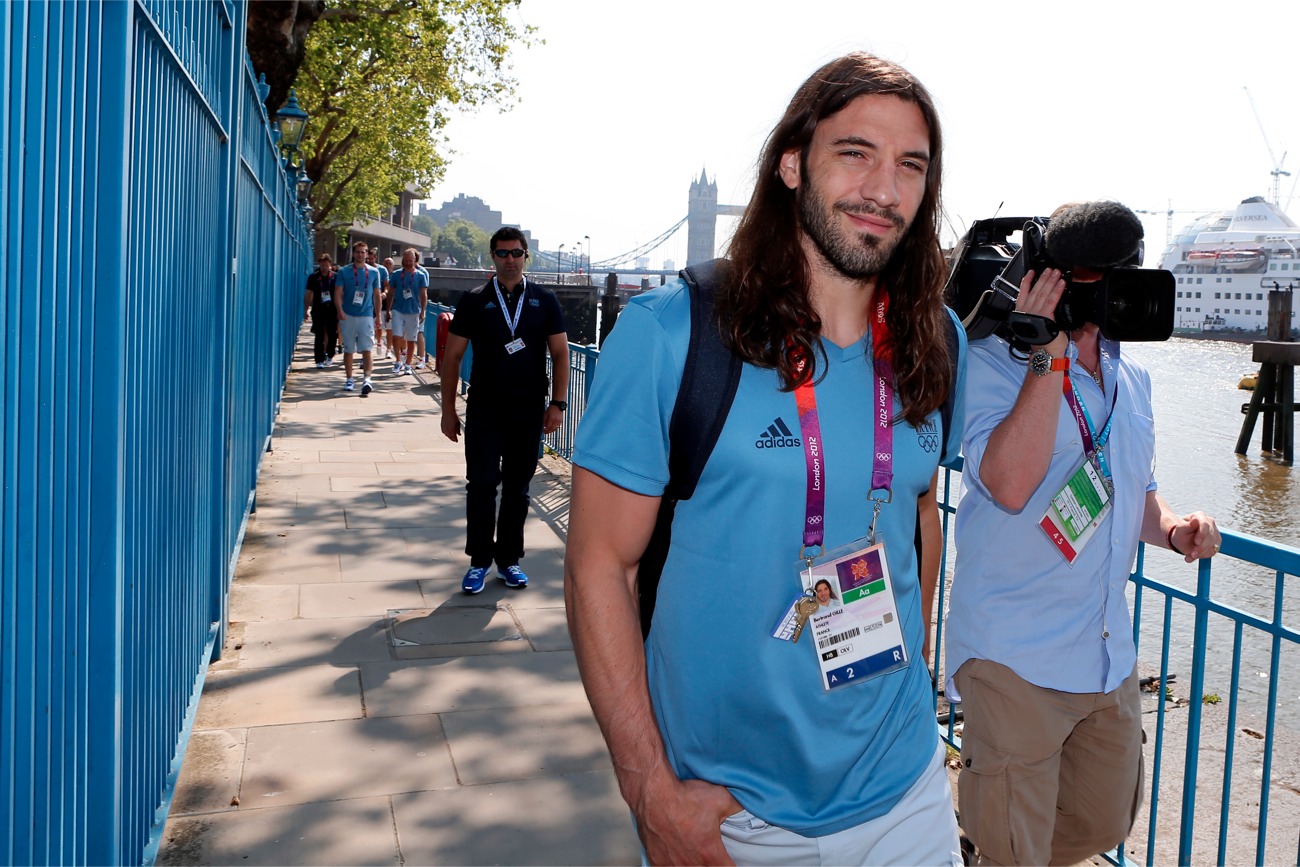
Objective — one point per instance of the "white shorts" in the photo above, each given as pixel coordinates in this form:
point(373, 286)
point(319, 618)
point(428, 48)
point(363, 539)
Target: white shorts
point(406, 325)
point(920, 829)
point(357, 334)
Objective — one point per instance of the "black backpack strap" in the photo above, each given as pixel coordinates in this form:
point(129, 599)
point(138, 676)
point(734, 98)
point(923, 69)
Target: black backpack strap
point(710, 377)
point(945, 412)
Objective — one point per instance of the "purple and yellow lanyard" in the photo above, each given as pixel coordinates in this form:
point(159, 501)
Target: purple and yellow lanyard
point(882, 464)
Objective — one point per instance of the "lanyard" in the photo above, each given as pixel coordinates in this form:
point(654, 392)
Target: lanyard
point(354, 278)
point(519, 308)
point(1094, 444)
point(882, 469)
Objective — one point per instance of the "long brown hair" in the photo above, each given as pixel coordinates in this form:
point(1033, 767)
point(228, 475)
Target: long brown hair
point(764, 308)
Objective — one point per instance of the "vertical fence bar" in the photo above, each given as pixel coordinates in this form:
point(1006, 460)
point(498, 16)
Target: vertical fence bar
point(1200, 630)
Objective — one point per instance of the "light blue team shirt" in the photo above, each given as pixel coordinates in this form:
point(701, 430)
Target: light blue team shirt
point(402, 281)
point(349, 278)
point(1014, 598)
point(735, 706)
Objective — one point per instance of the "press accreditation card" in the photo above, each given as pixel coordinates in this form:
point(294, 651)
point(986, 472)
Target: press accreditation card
point(856, 633)
point(1076, 511)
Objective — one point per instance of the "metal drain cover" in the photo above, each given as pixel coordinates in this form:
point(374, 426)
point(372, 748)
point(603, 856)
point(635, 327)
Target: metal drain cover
point(462, 624)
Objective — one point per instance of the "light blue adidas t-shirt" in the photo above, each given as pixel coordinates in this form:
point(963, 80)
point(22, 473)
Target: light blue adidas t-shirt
point(737, 707)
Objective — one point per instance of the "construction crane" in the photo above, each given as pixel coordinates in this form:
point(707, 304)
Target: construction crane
point(1169, 219)
point(1277, 171)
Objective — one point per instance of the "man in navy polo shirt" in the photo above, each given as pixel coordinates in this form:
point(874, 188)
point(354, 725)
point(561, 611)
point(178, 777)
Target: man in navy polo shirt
point(513, 324)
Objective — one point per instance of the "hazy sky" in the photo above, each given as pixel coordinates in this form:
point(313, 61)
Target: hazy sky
point(1041, 103)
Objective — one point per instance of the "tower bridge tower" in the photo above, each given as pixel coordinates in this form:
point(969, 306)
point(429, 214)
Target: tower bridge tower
point(702, 215)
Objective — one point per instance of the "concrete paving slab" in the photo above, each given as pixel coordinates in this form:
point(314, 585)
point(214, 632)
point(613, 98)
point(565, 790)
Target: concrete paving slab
point(344, 759)
point(278, 696)
point(302, 484)
point(470, 683)
point(544, 740)
point(333, 641)
point(340, 833)
point(574, 819)
point(426, 469)
point(210, 777)
point(357, 482)
point(545, 627)
point(355, 457)
point(438, 456)
point(356, 599)
point(263, 602)
point(363, 443)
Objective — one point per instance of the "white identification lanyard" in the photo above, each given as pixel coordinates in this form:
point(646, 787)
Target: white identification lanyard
point(516, 344)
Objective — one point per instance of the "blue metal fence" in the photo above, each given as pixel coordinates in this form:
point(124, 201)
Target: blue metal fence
point(153, 292)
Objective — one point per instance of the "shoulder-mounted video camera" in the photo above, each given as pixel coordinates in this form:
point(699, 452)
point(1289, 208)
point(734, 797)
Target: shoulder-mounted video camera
point(1096, 245)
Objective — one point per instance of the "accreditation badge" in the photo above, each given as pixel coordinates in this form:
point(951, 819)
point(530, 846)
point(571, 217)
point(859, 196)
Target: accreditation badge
point(358, 298)
point(856, 630)
point(406, 294)
point(515, 345)
point(1076, 511)
point(326, 298)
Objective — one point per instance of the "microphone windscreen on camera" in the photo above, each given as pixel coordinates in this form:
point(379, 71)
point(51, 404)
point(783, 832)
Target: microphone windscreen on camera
point(1094, 235)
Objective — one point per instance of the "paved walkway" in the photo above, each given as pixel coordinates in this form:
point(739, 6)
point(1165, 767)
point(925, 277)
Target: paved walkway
point(364, 710)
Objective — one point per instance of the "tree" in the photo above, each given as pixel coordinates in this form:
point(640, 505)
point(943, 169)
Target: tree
point(466, 242)
point(276, 39)
point(425, 225)
point(380, 78)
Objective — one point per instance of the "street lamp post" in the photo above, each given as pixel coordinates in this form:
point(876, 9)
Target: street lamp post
point(587, 238)
point(291, 120)
point(559, 265)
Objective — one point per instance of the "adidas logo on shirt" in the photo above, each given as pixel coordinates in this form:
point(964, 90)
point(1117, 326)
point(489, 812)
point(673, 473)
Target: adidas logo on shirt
point(777, 436)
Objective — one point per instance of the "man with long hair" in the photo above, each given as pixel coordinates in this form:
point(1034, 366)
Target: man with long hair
point(731, 739)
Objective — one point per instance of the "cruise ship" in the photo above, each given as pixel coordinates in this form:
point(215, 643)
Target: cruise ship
point(1226, 262)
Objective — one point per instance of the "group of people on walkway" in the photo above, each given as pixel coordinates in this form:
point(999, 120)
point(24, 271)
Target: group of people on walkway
point(365, 305)
point(694, 567)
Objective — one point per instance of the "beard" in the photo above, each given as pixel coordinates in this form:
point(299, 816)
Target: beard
point(858, 257)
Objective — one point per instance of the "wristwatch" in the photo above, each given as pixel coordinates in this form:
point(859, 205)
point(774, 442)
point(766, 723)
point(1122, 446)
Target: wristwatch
point(1041, 363)
point(562, 404)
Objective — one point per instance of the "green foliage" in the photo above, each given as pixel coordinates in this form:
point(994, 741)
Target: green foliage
point(466, 242)
point(425, 225)
point(1211, 698)
point(380, 79)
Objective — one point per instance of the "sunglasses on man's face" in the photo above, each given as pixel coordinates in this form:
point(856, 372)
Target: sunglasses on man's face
point(505, 254)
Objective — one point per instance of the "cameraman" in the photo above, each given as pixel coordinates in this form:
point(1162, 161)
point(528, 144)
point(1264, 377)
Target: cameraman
point(1040, 647)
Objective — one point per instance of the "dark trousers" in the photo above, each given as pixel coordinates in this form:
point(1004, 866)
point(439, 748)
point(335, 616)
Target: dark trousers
point(326, 329)
point(501, 446)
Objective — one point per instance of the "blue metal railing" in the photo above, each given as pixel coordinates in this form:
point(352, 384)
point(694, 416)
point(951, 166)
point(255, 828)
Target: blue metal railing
point(153, 302)
point(1188, 617)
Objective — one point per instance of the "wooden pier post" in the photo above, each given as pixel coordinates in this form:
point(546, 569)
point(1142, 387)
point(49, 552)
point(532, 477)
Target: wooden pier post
point(1275, 388)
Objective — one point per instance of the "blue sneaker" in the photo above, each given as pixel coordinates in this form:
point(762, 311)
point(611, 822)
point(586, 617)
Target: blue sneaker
point(513, 576)
point(473, 580)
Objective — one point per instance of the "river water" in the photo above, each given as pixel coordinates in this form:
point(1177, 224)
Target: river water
point(1198, 420)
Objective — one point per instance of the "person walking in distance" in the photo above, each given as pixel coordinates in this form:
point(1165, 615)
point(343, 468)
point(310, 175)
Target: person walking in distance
point(356, 300)
point(731, 740)
point(410, 291)
point(319, 304)
point(513, 324)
